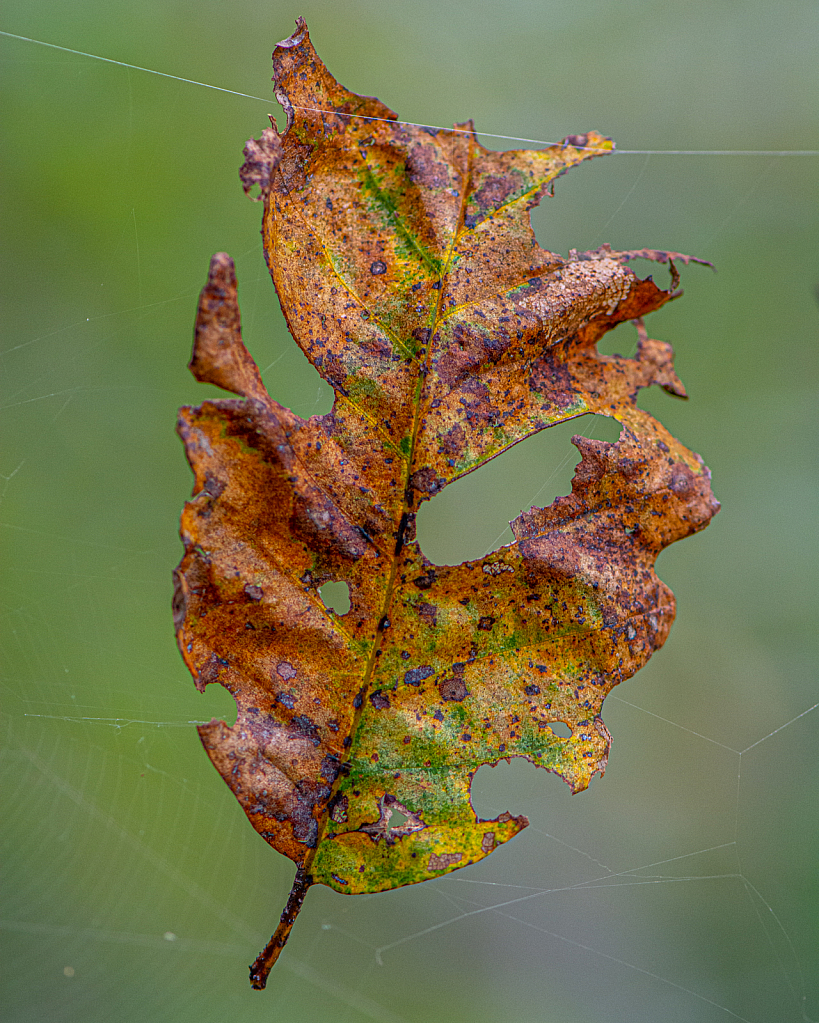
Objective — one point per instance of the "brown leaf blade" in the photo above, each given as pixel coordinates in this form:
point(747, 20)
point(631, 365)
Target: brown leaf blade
point(408, 273)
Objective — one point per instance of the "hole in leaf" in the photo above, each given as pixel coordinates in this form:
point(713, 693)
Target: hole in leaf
point(470, 517)
point(398, 819)
point(509, 785)
point(287, 373)
point(336, 597)
point(620, 341)
point(561, 729)
point(216, 703)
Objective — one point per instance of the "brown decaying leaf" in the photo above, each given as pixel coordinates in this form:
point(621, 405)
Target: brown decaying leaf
point(408, 273)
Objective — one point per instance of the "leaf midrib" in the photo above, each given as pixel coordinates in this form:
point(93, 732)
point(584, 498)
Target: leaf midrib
point(404, 510)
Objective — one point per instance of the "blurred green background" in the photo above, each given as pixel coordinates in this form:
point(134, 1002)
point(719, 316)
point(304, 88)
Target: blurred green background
point(684, 885)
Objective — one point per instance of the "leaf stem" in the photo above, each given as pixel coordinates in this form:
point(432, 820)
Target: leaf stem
point(266, 959)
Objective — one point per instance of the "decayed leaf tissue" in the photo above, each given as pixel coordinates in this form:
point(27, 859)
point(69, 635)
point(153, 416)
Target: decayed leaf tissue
point(409, 275)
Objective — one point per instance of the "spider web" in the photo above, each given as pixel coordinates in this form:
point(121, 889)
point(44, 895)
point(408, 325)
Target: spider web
point(683, 886)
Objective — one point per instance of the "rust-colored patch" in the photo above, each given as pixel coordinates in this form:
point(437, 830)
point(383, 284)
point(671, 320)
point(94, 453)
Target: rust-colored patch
point(453, 689)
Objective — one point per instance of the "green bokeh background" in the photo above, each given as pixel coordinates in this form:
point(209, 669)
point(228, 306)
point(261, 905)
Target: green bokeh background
point(681, 887)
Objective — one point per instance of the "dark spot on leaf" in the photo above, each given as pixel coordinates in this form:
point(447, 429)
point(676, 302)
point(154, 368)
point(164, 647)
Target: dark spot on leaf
point(453, 689)
point(416, 676)
point(423, 582)
point(379, 700)
point(426, 481)
point(213, 487)
point(682, 480)
point(453, 441)
point(302, 727)
point(338, 809)
point(429, 613)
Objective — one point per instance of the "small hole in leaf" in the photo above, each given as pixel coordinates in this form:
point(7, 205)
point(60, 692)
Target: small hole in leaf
point(561, 729)
point(470, 517)
point(336, 597)
point(217, 703)
point(398, 819)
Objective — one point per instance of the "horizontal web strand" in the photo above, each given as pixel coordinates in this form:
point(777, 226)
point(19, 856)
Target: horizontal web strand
point(131, 67)
point(415, 124)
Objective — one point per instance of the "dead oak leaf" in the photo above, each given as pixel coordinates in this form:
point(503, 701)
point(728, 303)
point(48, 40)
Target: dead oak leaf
point(408, 273)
